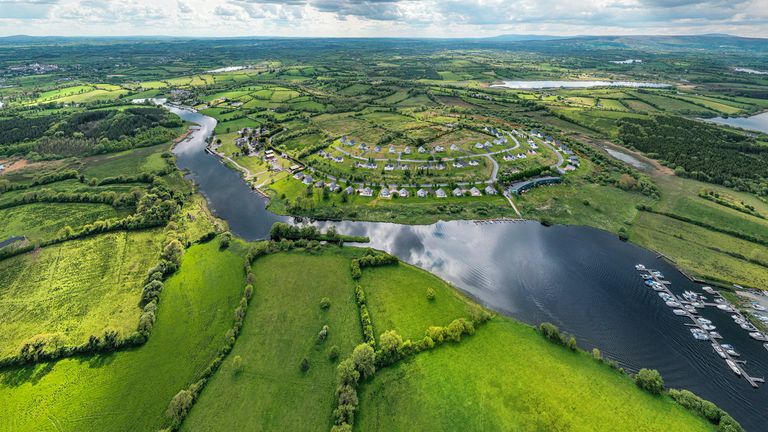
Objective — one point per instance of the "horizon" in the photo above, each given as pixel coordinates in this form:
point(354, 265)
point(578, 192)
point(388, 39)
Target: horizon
point(381, 18)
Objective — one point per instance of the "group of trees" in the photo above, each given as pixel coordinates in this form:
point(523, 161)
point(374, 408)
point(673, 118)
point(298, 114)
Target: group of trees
point(706, 409)
point(365, 317)
point(702, 151)
point(553, 334)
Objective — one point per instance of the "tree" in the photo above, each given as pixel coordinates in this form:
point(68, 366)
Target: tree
point(347, 372)
point(650, 380)
point(390, 343)
point(333, 353)
point(322, 335)
point(364, 359)
point(180, 405)
point(225, 240)
point(304, 366)
point(430, 294)
point(325, 303)
point(237, 364)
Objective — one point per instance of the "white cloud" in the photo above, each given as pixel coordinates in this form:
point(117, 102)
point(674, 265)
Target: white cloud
point(440, 18)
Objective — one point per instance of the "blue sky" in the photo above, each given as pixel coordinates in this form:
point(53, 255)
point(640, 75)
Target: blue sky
point(391, 18)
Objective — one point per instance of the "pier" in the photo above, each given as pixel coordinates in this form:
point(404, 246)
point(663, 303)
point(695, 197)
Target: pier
point(737, 366)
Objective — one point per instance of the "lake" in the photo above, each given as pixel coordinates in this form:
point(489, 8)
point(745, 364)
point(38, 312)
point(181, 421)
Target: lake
point(757, 122)
point(529, 85)
point(579, 278)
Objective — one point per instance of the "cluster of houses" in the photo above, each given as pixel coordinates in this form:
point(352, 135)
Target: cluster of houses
point(510, 157)
point(326, 155)
point(393, 191)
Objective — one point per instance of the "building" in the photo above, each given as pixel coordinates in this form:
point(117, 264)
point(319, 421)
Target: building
point(404, 193)
point(473, 162)
point(490, 190)
point(298, 176)
point(439, 149)
point(333, 186)
point(475, 192)
point(522, 186)
point(385, 193)
point(458, 164)
point(454, 147)
point(367, 192)
point(458, 192)
point(509, 157)
point(349, 190)
point(422, 193)
point(389, 167)
point(407, 150)
point(319, 184)
point(440, 193)
point(391, 149)
point(308, 180)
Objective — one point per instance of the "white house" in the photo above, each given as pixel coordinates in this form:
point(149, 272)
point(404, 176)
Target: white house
point(404, 193)
point(490, 190)
point(385, 193)
point(458, 192)
point(473, 162)
point(407, 150)
point(366, 192)
point(458, 164)
point(440, 193)
point(475, 192)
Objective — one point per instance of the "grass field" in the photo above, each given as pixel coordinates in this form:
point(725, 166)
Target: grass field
point(508, 377)
point(281, 327)
point(70, 291)
point(43, 221)
point(397, 300)
point(130, 390)
point(130, 162)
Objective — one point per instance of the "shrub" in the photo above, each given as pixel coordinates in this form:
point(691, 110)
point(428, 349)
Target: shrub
point(333, 353)
point(304, 366)
point(347, 372)
point(237, 364)
point(225, 239)
point(323, 335)
point(650, 380)
point(597, 354)
point(430, 294)
point(572, 343)
point(390, 343)
point(325, 303)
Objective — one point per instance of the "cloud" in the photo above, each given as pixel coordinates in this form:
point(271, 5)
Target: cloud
point(25, 9)
point(380, 10)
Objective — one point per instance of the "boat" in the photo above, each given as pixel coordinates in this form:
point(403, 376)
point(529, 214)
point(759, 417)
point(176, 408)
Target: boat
point(679, 312)
point(725, 308)
point(708, 327)
point(673, 304)
point(697, 305)
point(639, 267)
point(729, 349)
point(715, 335)
point(709, 289)
point(657, 274)
point(704, 321)
point(733, 366)
point(765, 345)
point(719, 350)
point(748, 327)
point(699, 334)
point(757, 306)
point(719, 300)
point(689, 308)
point(758, 336)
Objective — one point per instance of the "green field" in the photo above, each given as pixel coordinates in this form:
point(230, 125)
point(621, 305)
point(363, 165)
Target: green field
point(38, 222)
point(130, 162)
point(130, 390)
point(508, 377)
point(70, 291)
point(280, 329)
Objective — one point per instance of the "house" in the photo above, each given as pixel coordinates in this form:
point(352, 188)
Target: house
point(391, 149)
point(377, 149)
point(333, 186)
point(367, 192)
point(569, 167)
point(458, 192)
point(308, 180)
point(404, 193)
point(473, 162)
point(454, 147)
point(422, 193)
point(531, 152)
point(574, 160)
point(440, 167)
point(479, 145)
point(385, 193)
point(490, 190)
point(439, 149)
point(405, 167)
point(389, 167)
point(407, 150)
point(319, 184)
point(322, 153)
point(521, 156)
point(338, 159)
point(475, 192)
point(269, 154)
point(487, 144)
point(440, 193)
point(509, 157)
point(298, 176)
point(349, 190)
point(458, 164)
point(422, 150)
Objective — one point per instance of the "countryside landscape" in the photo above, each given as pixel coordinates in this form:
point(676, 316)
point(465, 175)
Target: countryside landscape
point(383, 232)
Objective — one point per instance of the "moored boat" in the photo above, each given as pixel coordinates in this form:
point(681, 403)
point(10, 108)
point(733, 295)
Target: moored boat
point(719, 350)
point(733, 367)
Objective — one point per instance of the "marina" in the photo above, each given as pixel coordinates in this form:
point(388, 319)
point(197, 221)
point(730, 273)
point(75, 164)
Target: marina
point(702, 328)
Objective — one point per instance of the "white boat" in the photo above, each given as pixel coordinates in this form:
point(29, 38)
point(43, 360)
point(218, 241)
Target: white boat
point(758, 307)
point(698, 334)
point(697, 305)
point(725, 308)
point(708, 327)
point(715, 335)
point(719, 350)
point(673, 304)
point(689, 308)
point(758, 336)
point(709, 289)
point(733, 367)
point(765, 345)
point(639, 267)
point(703, 321)
point(679, 312)
point(748, 327)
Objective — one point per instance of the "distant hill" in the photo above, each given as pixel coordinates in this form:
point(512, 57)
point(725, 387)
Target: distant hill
point(722, 42)
point(521, 37)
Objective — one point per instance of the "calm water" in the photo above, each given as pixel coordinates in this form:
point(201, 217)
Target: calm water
point(580, 278)
point(627, 158)
point(757, 122)
point(575, 84)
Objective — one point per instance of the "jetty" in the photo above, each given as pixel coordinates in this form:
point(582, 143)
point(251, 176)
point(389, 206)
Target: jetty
point(737, 366)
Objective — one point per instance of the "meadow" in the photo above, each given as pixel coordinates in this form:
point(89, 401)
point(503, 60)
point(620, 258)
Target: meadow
point(130, 390)
point(67, 292)
point(39, 222)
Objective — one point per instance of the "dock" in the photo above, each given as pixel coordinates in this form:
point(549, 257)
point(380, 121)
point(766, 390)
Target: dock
point(737, 366)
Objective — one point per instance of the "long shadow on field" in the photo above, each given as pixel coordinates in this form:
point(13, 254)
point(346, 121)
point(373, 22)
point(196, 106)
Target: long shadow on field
point(27, 374)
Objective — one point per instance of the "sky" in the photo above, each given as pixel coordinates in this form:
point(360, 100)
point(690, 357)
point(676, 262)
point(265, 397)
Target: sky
point(381, 18)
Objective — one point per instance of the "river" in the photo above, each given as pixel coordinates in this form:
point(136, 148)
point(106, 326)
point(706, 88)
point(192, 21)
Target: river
point(758, 122)
point(579, 278)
